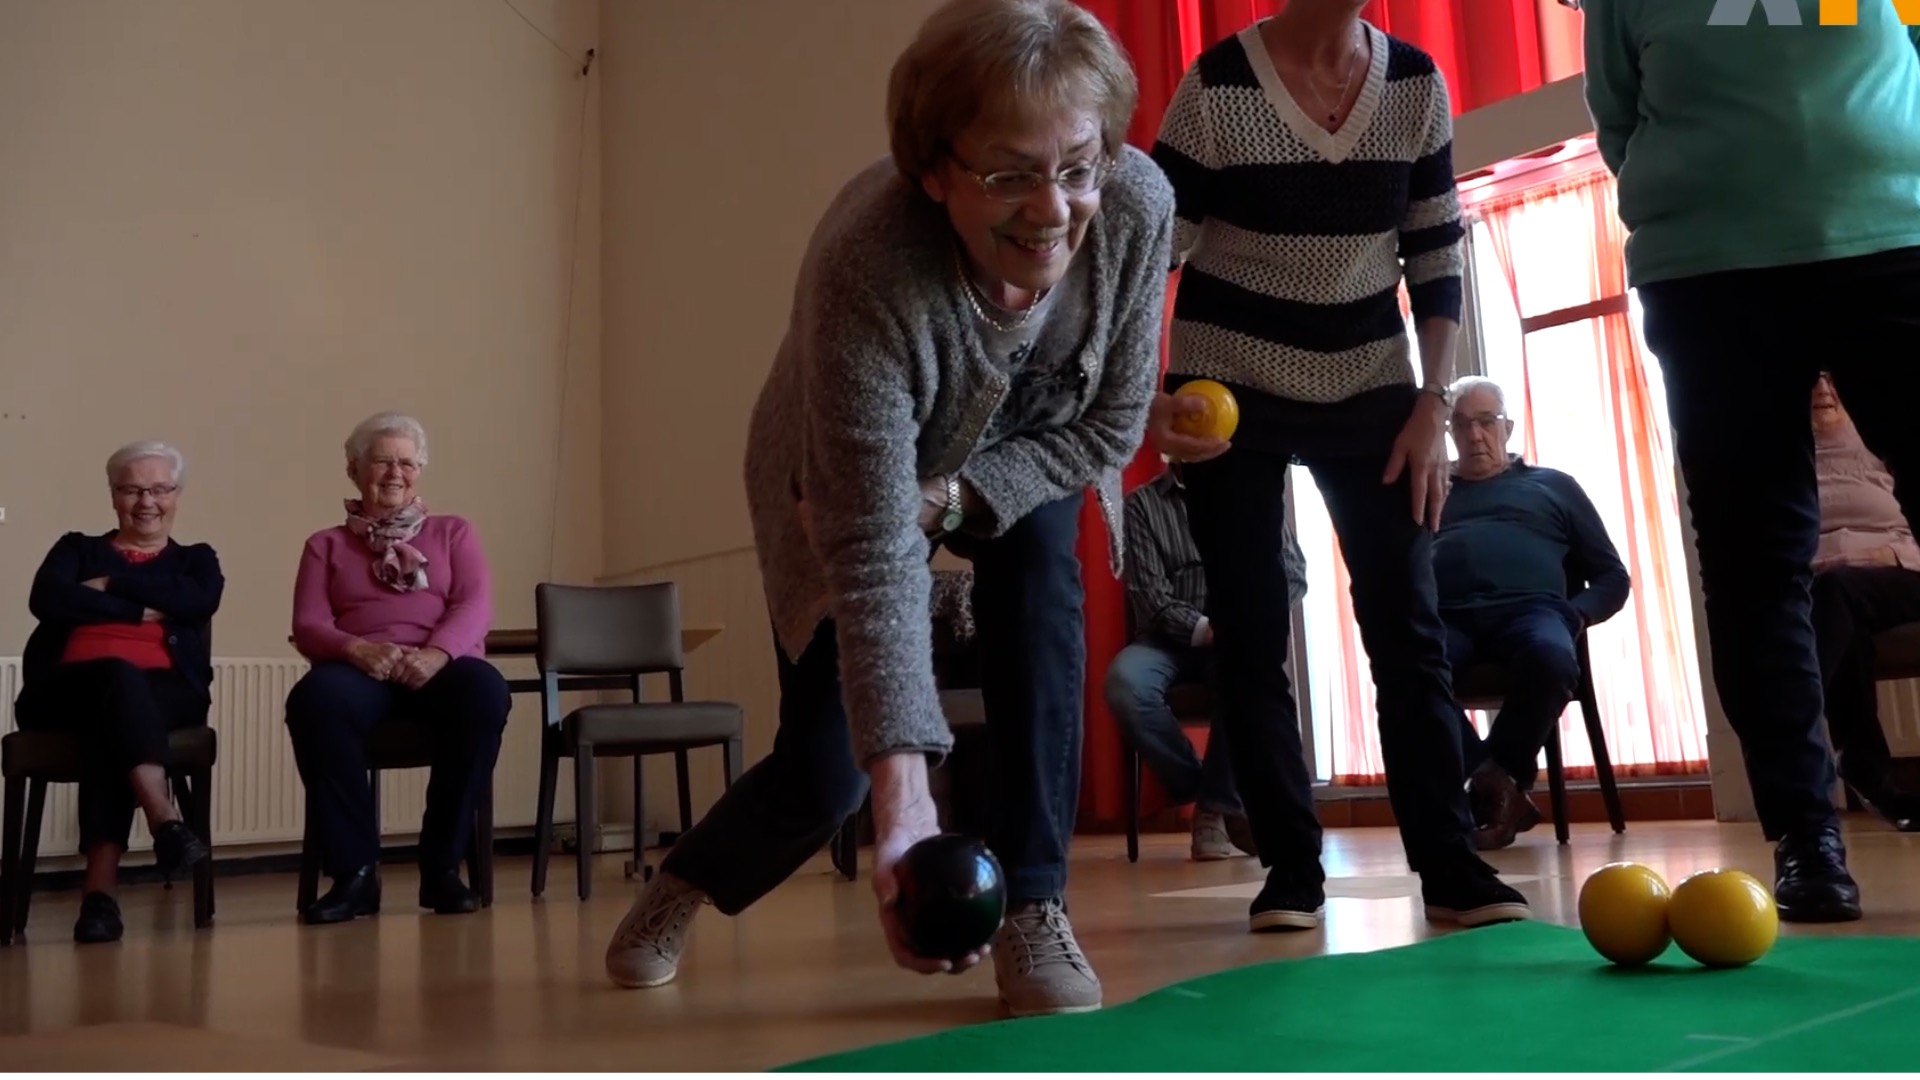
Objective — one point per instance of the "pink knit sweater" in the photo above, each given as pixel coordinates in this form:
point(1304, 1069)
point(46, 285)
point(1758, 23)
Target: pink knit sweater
point(336, 598)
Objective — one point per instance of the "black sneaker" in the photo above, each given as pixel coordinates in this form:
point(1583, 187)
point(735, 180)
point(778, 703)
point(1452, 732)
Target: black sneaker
point(99, 920)
point(1288, 902)
point(177, 848)
point(1470, 894)
point(1811, 882)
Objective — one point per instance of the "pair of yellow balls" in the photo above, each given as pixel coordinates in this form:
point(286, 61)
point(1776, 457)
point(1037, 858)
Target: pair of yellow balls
point(1720, 918)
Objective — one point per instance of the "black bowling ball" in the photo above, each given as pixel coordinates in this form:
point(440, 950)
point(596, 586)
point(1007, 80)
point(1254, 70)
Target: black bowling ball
point(952, 896)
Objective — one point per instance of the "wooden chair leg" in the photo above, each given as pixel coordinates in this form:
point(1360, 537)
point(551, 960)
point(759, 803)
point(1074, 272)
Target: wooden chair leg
point(1130, 763)
point(197, 808)
point(309, 888)
point(379, 827)
point(735, 756)
point(586, 817)
point(1602, 760)
point(480, 848)
point(685, 784)
point(29, 851)
point(1557, 785)
point(543, 813)
point(12, 824)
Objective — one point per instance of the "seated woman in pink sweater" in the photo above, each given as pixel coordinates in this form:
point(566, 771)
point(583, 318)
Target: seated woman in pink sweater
point(393, 609)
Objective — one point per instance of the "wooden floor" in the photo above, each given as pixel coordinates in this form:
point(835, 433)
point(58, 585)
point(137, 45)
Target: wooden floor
point(521, 986)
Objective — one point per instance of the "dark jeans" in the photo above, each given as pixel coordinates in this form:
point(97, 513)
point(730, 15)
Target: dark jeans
point(1136, 691)
point(1850, 605)
point(333, 710)
point(1027, 610)
point(1740, 352)
point(1532, 642)
point(121, 715)
point(1236, 510)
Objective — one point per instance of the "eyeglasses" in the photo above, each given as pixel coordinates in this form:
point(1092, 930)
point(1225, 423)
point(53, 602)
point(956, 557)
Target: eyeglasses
point(133, 492)
point(405, 465)
point(1489, 421)
point(1012, 186)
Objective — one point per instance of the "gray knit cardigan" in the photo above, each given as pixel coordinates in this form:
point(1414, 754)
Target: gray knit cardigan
point(882, 380)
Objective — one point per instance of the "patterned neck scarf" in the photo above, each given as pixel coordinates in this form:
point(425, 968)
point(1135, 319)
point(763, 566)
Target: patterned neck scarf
point(397, 564)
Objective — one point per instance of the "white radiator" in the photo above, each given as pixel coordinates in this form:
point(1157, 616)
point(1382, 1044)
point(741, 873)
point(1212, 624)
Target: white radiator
point(258, 798)
point(1900, 716)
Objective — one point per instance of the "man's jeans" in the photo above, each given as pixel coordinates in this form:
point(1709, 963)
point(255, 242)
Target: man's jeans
point(1137, 685)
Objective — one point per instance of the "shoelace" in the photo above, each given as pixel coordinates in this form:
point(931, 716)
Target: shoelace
point(661, 921)
point(1046, 938)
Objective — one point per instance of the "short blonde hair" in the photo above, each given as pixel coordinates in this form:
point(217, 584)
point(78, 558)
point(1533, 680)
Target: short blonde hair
point(1001, 58)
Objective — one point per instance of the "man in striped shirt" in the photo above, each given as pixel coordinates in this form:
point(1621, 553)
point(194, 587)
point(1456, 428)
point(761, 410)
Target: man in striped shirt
point(1166, 604)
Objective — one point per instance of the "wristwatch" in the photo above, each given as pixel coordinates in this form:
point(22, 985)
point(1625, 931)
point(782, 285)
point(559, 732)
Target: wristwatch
point(951, 517)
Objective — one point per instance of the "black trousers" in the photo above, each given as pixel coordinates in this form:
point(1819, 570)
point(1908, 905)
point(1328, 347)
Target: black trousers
point(333, 710)
point(1236, 510)
point(1850, 605)
point(121, 715)
point(1740, 352)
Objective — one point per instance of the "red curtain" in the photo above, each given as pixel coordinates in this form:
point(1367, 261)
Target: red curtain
point(1488, 49)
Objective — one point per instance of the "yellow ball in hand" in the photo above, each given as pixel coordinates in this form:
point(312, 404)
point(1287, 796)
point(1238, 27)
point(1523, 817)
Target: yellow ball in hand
point(1723, 918)
point(1623, 912)
point(1218, 420)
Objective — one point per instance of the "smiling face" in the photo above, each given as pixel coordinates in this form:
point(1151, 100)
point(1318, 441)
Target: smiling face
point(145, 495)
point(1480, 430)
point(388, 474)
point(1828, 414)
point(1020, 239)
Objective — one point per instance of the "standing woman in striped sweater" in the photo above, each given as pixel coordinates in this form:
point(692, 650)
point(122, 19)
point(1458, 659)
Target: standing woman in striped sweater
point(1311, 159)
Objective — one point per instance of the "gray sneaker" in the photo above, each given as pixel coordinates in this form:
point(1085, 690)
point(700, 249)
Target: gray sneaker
point(1210, 840)
point(1038, 964)
point(645, 950)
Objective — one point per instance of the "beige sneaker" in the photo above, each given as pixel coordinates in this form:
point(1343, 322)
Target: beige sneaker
point(645, 950)
point(1210, 841)
point(1038, 964)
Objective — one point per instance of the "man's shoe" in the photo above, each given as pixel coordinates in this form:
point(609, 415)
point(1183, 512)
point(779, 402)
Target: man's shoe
point(1811, 882)
point(1469, 893)
point(1499, 807)
point(1288, 902)
point(1039, 966)
point(351, 897)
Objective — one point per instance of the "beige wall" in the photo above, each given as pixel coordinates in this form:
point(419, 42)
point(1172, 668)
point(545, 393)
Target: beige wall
point(242, 225)
point(727, 128)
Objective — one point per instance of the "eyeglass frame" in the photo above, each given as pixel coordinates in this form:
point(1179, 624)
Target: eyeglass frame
point(135, 492)
point(1485, 420)
point(1104, 167)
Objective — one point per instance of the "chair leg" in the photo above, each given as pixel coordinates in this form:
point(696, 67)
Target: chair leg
point(29, 852)
point(480, 848)
point(735, 755)
point(379, 828)
point(1557, 785)
point(686, 791)
point(11, 826)
point(585, 816)
point(197, 808)
point(543, 813)
point(309, 888)
point(638, 864)
point(1602, 760)
point(844, 849)
point(1131, 765)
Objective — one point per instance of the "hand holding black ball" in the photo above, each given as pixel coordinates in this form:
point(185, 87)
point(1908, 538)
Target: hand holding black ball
point(952, 897)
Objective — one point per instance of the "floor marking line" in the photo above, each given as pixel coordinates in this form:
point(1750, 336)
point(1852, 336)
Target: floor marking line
point(1797, 1029)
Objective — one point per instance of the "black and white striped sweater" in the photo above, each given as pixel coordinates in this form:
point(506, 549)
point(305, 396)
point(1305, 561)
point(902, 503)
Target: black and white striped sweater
point(1295, 240)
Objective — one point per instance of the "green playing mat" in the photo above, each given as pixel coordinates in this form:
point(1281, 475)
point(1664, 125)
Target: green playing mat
point(1518, 997)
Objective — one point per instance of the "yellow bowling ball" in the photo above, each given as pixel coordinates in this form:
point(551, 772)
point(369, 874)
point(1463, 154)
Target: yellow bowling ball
point(1623, 911)
point(1220, 418)
point(1723, 918)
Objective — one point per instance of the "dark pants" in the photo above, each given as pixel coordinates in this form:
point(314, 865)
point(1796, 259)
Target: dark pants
point(1740, 352)
point(1236, 510)
point(1532, 642)
point(1850, 605)
point(1136, 691)
point(1027, 610)
point(121, 715)
point(332, 712)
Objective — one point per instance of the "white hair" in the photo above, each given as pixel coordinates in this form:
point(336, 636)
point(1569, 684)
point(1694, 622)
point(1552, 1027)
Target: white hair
point(1467, 384)
point(386, 423)
point(146, 448)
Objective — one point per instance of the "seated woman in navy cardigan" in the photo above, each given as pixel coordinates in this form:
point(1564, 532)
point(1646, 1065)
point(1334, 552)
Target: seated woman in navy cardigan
point(121, 656)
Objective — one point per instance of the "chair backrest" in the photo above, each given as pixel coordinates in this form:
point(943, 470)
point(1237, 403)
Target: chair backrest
point(608, 630)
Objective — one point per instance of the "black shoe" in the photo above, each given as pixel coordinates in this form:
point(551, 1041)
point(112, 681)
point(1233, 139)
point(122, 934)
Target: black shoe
point(99, 920)
point(1885, 798)
point(1469, 893)
point(1811, 882)
point(350, 898)
point(177, 849)
point(1497, 807)
point(445, 894)
point(1288, 902)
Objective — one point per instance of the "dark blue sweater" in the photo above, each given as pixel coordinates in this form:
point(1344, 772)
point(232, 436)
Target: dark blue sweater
point(1526, 533)
point(183, 583)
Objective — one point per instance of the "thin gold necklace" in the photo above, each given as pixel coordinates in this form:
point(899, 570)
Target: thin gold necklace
point(1333, 110)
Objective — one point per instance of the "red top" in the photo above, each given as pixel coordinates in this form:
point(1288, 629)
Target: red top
point(143, 644)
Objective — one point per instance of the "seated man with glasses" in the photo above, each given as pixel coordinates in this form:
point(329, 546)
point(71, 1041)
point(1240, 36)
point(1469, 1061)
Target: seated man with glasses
point(1523, 566)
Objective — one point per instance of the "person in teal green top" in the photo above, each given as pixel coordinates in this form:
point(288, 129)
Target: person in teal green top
point(1769, 176)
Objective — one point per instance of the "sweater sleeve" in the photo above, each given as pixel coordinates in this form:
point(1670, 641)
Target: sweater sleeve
point(1023, 472)
point(191, 596)
point(858, 476)
point(58, 597)
point(1430, 232)
point(469, 615)
point(1185, 152)
point(314, 633)
point(1157, 611)
point(1612, 80)
point(1594, 559)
